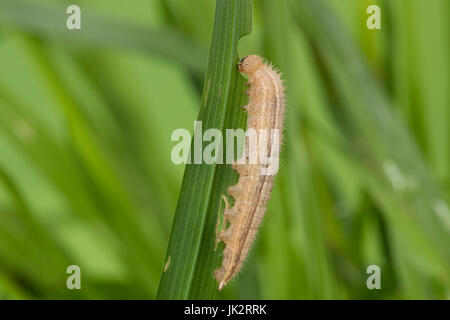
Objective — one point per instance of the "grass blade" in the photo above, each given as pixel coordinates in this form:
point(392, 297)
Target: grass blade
point(395, 171)
point(49, 22)
point(191, 246)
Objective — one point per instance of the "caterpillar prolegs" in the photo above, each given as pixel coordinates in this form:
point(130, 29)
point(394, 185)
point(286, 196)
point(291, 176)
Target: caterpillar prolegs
point(266, 112)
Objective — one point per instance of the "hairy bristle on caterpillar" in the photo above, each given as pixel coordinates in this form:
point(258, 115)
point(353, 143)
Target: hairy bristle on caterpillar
point(266, 110)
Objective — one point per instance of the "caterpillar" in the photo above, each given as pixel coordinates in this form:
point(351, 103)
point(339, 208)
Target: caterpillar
point(266, 112)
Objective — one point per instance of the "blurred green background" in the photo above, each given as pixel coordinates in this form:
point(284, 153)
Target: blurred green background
point(86, 117)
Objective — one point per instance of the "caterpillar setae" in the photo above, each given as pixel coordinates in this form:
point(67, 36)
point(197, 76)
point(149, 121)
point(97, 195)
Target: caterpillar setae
point(266, 112)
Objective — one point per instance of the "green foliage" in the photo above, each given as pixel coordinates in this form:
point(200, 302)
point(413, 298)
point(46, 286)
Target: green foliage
point(191, 246)
point(86, 177)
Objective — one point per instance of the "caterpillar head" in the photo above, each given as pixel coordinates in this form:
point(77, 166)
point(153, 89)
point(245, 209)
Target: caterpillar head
point(250, 64)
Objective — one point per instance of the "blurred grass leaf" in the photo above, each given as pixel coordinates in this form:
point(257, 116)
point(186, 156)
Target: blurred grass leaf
point(394, 168)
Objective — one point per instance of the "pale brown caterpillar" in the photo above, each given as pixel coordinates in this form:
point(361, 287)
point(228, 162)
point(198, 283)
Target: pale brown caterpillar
point(266, 110)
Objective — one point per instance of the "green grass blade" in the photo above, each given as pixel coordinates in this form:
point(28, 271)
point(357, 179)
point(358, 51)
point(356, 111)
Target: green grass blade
point(395, 172)
point(99, 32)
point(191, 246)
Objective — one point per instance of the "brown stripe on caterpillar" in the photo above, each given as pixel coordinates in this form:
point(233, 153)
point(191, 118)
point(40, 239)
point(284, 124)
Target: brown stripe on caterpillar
point(266, 111)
